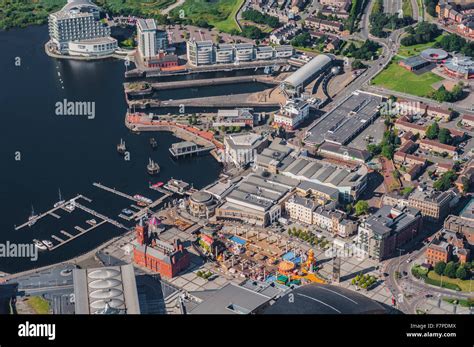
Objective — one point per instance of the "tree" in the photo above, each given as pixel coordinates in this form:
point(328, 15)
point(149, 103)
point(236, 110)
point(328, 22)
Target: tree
point(396, 174)
point(432, 131)
point(387, 151)
point(461, 273)
point(439, 267)
point(444, 136)
point(361, 207)
point(373, 149)
point(450, 269)
point(302, 40)
point(357, 64)
point(445, 181)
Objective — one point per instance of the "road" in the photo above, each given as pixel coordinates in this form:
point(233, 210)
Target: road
point(409, 284)
point(173, 6)
point(431, 102)
point(392, 6)
point(416, 11)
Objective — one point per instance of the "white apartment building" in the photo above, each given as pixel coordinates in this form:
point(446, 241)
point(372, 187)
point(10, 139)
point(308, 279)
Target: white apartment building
point(207, 53)
point(76, 29)
point(309, 212)
point(244, 52)
point(292, 114)
point(224, 54)
point(241, 149)
point(300, 209)
point(150, 40)
point(200, 52)
point(146, 34)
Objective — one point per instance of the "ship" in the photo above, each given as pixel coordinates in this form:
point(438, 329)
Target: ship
point(121, 148)
point(47, 243)
point(156, 186)
point(40, 245)
point(127, 212)
point(142, 199)
point(32, 217)
point(60, 201)
point(152, 167)
point(153, 143)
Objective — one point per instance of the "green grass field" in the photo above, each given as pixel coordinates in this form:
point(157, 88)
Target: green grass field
point(23, 13)
point(396, 78)
point(218, 13)
point(407, 8)
point(464, 285)
point(409, 51)
point(38, 304)
point(142, 7)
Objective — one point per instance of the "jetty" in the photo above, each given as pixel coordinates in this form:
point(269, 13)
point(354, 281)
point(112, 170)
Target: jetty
point(114, 191)
point(50, 212)
point(188, 148)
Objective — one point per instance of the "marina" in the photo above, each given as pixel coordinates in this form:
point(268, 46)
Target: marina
point(91, 147)
point(72, 237)
point(33, 219)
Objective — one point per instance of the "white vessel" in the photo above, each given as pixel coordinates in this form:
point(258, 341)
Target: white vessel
point(32, 217)
point(40, 245)
point(47, 243)
point(60, 201)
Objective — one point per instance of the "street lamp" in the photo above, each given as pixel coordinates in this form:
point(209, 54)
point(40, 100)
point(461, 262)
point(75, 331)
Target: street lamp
point(400, 250)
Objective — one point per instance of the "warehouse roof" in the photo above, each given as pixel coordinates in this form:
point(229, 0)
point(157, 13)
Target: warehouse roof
point(305, 72)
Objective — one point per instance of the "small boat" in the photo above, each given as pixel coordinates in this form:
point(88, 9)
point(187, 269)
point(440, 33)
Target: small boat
point(70, 207)
point(156, 185)
point(127, 212)
point(60, 201)
point(32, 217)
point(152, 167)
point(121, 148)
point(40, 245)
point(153, 143)
point(142, 199)
point(92, 221)
point(47, 243)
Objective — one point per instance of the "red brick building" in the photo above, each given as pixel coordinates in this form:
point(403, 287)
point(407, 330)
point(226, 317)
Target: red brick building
point(161, 257)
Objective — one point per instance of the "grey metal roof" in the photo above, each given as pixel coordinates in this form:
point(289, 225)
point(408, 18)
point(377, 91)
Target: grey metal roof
point(388, 219)
point(324, 299)
point(231, 299)
point(98, 289)
point(346, 120)
point(306, 185)
point(312, 67)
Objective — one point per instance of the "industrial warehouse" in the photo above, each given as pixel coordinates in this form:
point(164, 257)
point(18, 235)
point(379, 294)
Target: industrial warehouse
point(347, 120)
point(294, 84)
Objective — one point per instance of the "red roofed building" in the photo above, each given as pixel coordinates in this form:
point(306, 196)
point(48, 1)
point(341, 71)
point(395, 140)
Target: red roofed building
point(161, 257)
point(468, 120)
point(404, 124)
point(438, 147)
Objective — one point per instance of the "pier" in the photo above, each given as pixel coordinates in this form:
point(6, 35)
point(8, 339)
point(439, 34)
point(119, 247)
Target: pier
point(62, 242)
point(139, 214)
point(182, 149)
point(101, 216)
point(114, 191)
point(51, 211)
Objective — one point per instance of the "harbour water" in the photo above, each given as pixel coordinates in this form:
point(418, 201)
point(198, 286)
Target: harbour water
point(41, 151)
